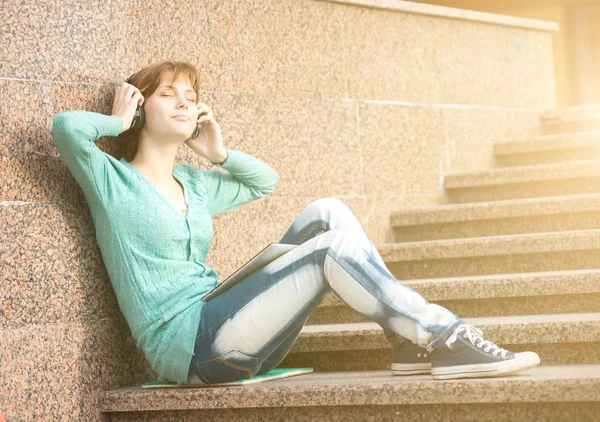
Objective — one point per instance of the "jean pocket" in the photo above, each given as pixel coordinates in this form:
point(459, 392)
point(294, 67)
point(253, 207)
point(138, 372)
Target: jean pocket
point(229, 366)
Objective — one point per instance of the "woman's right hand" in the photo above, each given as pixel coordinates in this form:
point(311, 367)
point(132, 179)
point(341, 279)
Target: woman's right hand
point(127, 98)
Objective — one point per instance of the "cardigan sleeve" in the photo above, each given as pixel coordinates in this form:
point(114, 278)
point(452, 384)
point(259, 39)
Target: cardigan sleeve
point(74, 133)
point(248, 179)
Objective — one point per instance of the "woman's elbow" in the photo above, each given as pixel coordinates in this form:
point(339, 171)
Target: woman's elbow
point(273, 185)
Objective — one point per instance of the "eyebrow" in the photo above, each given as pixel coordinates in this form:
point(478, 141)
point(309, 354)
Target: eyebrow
point(172, 86)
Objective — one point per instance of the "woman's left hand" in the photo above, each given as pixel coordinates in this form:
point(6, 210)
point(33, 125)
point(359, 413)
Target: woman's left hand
point(209, 142)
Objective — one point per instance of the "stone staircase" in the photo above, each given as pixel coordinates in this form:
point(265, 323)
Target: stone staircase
point(516, 252)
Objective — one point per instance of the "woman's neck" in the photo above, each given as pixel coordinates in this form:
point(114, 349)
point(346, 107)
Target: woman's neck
point(156, 164)
point(159, 175)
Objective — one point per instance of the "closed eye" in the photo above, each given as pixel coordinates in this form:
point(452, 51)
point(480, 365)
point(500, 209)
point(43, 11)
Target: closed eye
point(168, 95)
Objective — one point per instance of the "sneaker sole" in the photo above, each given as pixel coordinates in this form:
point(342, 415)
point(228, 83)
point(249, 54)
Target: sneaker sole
point(411, 368)
point(521, 362)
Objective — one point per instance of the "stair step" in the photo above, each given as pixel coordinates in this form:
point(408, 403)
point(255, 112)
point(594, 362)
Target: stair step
point(549, 143)
point(362, 395)
point(502, 330)
point(549, 148)
point(516, 216)
point(525, 174)
point(504, 294)
point(571, 119)
point(492, 245)
point(525, 182)
point(557, 338)
point(558, 251)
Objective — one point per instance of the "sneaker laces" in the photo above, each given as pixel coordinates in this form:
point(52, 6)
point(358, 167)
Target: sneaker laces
point(474, 334)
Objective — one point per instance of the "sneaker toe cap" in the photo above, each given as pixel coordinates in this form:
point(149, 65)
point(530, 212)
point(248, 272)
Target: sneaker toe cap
point(530, 356)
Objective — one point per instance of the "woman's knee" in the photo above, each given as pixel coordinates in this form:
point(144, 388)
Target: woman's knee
point(322, 208)
point(328, 203)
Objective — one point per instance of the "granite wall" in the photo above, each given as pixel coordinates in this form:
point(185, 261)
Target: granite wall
point(370, 105)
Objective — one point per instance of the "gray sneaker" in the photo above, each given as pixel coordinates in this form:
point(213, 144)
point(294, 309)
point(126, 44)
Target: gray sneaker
point(410, 359)
point(471, 356)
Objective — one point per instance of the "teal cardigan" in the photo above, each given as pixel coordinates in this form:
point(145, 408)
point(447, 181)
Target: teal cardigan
point(154, 256)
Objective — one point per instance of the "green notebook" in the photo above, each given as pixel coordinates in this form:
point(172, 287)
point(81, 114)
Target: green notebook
point(273, 374)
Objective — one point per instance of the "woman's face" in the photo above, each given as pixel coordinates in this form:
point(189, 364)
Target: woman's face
point(167, 101)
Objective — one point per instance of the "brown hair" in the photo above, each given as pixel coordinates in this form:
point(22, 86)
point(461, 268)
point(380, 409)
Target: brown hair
point(147, 80)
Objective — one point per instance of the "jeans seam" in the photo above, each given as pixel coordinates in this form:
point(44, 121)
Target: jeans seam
point(233, 365)
point(305, 237)
point(200, 374)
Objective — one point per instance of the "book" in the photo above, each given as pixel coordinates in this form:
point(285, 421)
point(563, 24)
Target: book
point(270, 253)
point(274, 374)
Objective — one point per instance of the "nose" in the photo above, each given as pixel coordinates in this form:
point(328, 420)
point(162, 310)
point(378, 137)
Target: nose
point(182, 102)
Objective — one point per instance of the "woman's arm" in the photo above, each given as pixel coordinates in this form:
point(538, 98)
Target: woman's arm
point(248, 178)
point(74, 133)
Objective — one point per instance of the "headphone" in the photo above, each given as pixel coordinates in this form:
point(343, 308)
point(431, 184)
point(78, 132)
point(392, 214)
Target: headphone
point(139, 119)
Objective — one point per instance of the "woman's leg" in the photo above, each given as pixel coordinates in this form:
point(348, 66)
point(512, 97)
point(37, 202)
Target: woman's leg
point(244, 326)
point(249, 328)
point(330, 213)
point(317, 218)
point(464, 354)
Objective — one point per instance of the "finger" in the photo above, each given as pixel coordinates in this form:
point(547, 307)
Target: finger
point(203, 107)
point(136, 93)
point(205, 112)
point(129, 89)
point(139, 97)
point(128, 92)
point(205, 117)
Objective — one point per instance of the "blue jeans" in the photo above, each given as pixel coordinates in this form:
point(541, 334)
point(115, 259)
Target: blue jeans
point(250, 328)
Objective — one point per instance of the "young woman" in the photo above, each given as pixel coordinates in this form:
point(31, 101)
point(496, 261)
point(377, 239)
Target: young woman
point(154, 227)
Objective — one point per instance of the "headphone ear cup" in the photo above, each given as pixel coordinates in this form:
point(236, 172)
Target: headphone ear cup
point(139, 119)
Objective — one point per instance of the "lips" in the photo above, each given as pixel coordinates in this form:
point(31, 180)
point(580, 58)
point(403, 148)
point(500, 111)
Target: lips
point(181, 117)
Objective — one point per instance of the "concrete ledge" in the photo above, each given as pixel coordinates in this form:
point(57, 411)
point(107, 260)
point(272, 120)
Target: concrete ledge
point(496, 210)
point(525, 174)
point(500, 286)
point(497, 218)
point(564, 383)
point(571, 119)
point(556, 148)
point(541, 293)
point(502, 330)
point(450, 12)
point(479, 308)
point(549, 143)
point(491, 246)
point(570, 114)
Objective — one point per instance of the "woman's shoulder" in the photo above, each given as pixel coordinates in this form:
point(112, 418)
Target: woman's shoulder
point(188, 169)
point(191, 174)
